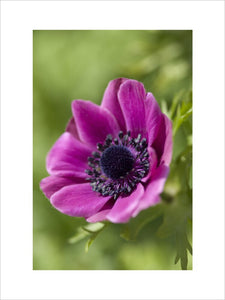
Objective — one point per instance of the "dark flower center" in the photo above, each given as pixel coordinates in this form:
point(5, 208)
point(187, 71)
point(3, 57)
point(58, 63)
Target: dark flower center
point(116, 161)
point(118, 165)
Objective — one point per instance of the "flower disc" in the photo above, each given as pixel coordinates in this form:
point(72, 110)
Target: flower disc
point(116, 161)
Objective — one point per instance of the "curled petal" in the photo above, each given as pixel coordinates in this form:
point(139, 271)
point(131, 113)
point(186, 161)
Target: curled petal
point(168, 146)
point(153, 189)
point(53, 184)
point(153, 117)
point(68, 157)
point(110, 101)
point(93, 122)
point(100, 216)
point(78, 200)
point(153, 161)
point(72, 128)
point(131, 98)
point(125, 206)
point(163, 143)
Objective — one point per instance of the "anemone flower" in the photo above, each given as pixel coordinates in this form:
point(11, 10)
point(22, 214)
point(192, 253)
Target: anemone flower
point(113, 160)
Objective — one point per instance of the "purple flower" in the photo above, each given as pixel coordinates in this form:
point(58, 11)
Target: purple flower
point(112, 161)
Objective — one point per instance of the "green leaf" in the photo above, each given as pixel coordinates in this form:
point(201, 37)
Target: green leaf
point(165, 108)
point(178, 212)
point(93, 227)
point(78, 236)
point(94, 234)
point(88, 244)
point(175, 223)
point(183, 246)
point(175, 101)
point(189, 140)
point(131, 230)
point(90, 230)
point(181, 117)
point(176, 259)
point(183, 110)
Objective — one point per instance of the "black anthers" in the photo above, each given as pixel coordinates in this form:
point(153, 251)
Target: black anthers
point(119, 166)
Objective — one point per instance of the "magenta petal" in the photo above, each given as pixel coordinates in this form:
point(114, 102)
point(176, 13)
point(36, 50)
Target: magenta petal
point(110, 101)
point(168, 146)
point(153, 189)
point(100, 216)
point(68, 157)
point(152, 162)
point(163, 143)
point(153, 117)
point(131, 98)
point(94, 123)
point(125, 206)
point(53, 184)
point(72, 128)
point(78, 200)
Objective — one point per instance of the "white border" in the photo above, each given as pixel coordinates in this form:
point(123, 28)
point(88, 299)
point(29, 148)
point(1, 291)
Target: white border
point(18, 19)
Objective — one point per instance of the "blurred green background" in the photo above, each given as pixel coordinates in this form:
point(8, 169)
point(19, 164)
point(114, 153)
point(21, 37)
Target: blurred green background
point(71, 65)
